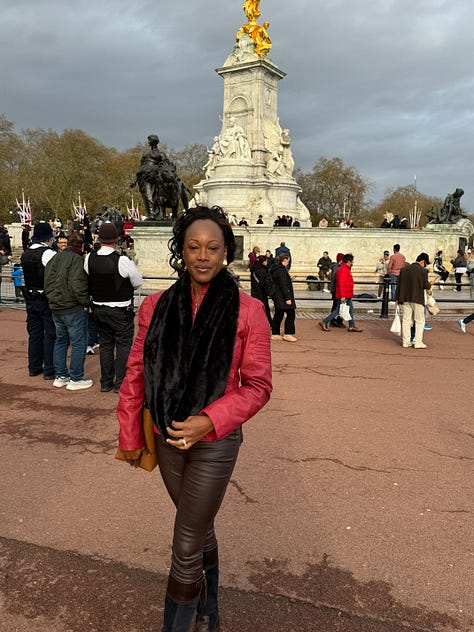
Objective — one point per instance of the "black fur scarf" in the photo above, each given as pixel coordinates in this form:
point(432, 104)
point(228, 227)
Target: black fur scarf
point(186, 364)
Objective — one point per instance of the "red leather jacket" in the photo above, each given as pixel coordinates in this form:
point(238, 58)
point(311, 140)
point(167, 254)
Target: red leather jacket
point(247, 391)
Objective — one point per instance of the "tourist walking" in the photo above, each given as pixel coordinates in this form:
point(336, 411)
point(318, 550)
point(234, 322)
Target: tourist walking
point(5, 259)
point(337, 321)
point(465, 321)
point(25, 236)
point(253, 256)
point(66, 288)
point(284, 301)
point(470, 262)
point(396, 263)
point(344, 294)
point(39, 320)
point(17, 278)
point(112, 280)
point(382, 270)
point(410, 294)
point(460, 268)
point(270, 259)
point(440, 270)
point(198, 400)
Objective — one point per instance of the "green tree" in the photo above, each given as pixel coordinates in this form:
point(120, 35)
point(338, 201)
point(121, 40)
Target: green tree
point(56, 167)
point(189, 163)
point(10, 152)
point(332, 186)
point(401, 201)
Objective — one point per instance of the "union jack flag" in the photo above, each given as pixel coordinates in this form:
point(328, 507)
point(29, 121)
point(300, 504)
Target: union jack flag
point(80, 210)
point(24, 210)
point(133, 212)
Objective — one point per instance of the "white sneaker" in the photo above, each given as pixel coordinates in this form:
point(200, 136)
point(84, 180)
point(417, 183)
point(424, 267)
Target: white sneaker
point(326, 290)
point(61, 381)
point(462, 326)
point(290, 338)
point(90, 350)
point(417, 345)
point(79, 385)
point(96, 346)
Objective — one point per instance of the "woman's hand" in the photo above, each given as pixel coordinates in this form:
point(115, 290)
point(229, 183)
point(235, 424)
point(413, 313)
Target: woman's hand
point(133, 456)
point(185, 434)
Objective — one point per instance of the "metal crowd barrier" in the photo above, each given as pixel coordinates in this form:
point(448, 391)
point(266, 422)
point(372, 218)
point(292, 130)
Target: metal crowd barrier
point(383, 300)
point(7, 291)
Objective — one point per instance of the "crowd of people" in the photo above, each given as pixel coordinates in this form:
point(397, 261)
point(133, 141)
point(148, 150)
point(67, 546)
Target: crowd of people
point(270, 279)
point(77, 301)
point(280, 220)
point(410, 289)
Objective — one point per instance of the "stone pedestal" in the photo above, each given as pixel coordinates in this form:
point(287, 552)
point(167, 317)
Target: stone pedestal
point(250, 168)
point(307, 246)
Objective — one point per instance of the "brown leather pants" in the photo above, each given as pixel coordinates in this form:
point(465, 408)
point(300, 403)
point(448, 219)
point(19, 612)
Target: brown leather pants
point(196, 480)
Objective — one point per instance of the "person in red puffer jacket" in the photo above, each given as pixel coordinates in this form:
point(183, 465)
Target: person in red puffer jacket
point(344, 294)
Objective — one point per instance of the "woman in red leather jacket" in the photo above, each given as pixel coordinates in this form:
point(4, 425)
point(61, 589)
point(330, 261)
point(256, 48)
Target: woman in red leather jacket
point(201, 361)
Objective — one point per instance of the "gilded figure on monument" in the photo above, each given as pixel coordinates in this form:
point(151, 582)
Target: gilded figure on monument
point(251, 9)
point(259, 34)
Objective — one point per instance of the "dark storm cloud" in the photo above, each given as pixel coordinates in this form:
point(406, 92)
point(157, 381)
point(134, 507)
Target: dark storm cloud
point(387, 85)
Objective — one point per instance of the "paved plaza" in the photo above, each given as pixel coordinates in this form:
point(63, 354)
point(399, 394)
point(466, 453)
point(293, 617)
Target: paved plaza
point(350, 509)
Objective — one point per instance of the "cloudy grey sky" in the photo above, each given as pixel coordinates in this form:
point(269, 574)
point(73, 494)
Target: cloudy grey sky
point(387, 85)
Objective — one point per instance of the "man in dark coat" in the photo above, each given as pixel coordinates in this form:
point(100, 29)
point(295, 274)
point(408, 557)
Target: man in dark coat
point(410, 293)
point(284, 250)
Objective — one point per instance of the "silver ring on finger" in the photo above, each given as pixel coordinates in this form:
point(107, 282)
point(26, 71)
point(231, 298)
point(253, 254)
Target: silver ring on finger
point(185, 443)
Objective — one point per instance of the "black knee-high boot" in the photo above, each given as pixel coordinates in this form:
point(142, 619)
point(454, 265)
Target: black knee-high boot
point(180, 605)
point(207, 618)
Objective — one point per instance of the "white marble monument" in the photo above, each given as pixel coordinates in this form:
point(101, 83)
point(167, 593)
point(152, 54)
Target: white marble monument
point(250, 167)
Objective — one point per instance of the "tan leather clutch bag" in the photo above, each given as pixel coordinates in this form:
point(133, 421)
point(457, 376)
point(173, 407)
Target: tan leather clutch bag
point(147, 461)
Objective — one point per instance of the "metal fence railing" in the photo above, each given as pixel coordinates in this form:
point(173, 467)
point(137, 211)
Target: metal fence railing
point(304, 293)
point(312, 296)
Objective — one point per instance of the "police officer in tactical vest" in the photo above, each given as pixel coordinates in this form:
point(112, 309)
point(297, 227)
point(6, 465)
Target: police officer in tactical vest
point(112, 280)
point(39, 320)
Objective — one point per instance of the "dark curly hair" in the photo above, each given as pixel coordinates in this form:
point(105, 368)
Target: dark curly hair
point(184, 221)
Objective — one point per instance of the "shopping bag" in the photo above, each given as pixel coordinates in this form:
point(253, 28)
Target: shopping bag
point(396, 327)
point(344, 311)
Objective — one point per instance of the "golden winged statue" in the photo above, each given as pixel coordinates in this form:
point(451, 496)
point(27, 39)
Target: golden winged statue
point(259, 34)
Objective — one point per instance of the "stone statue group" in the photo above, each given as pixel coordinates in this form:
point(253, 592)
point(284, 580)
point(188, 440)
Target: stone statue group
point(159, 184)
point(233, 143)
point(450, 212)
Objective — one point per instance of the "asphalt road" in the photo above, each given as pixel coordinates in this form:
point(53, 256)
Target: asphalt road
point(350, 509)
